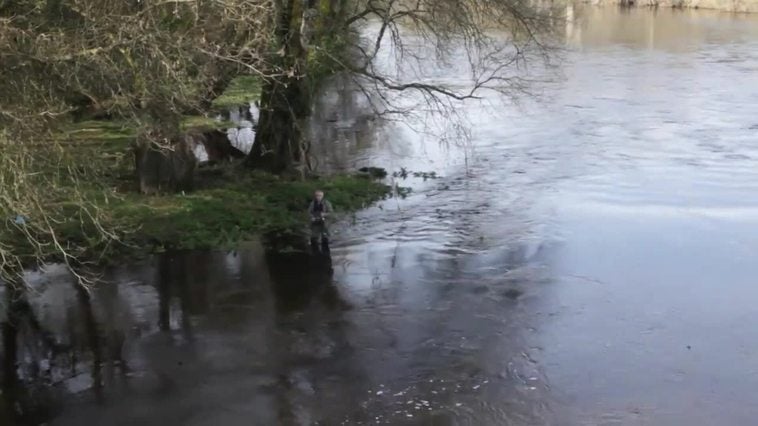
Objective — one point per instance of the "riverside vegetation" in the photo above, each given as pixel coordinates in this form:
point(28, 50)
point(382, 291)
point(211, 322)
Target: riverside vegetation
point(102, 102)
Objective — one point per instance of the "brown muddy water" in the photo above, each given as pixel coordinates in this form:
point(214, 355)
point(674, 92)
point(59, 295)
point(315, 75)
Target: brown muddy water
point(588, 258)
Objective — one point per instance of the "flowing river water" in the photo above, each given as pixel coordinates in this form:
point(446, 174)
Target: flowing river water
point(587, 258)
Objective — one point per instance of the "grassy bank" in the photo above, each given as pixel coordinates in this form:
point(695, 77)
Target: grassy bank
point(232, 205)
point(91, 164)
point(229, 205)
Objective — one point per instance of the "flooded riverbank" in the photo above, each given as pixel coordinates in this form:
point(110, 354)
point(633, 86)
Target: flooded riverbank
point(587, 259)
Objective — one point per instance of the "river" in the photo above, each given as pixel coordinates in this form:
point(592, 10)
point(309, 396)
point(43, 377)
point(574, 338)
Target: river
point(588, 257)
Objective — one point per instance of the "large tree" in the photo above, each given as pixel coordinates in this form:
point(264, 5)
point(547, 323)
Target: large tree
point(144, 62)
point(149, 61)
point(488, 39)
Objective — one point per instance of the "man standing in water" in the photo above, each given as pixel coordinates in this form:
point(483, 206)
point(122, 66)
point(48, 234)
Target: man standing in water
point(319, 209)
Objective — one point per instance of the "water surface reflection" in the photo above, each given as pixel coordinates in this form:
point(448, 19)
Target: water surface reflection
point(589, 258)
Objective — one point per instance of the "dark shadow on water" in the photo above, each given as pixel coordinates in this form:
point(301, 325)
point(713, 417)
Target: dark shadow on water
point(313, 348)
point(27, 397)
point(302, 277)
point(93, 339)
point(11, 388)
point(176, 277)
point(69, 353)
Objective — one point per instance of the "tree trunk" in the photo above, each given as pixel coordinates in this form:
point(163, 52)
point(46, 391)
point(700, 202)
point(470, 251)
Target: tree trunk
point(279, 141)
point(164, 169)
point(285, 102)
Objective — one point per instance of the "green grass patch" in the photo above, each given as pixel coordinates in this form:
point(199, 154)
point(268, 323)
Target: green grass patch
point(227, 211)
point(242, 90)
point(233, 209)
point(122, 131)
point(99, 130)
point(105, 147)
point(230, 208)
point(198, 122)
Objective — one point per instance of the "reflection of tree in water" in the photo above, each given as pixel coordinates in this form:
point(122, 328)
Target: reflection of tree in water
point(93, 340)
point(127, 336)
point(312, 352)
point(343, 126)
point(299, 278)
point(176, 278)
point(74, 339)
point(35, 360)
